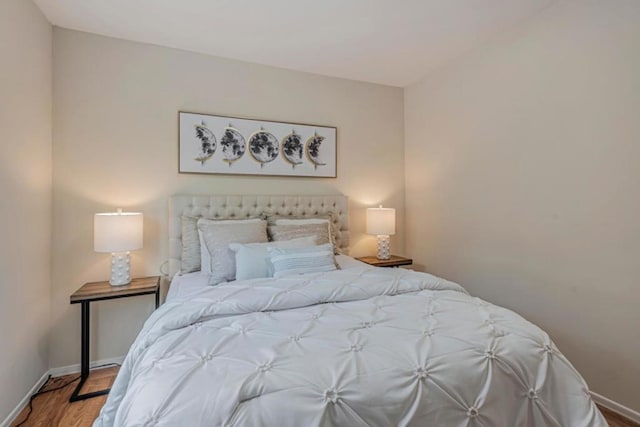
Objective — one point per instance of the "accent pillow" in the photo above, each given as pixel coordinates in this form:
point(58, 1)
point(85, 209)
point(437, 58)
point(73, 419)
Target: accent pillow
point(218, 235)
point(273, 219)
point(205, 256)
point(252, 259)
point(191, 257)
point(330, 217)
point(313, 259)
point(289, 221)
point(294, 231)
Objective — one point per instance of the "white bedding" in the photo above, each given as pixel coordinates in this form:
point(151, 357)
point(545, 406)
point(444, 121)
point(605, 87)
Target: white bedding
point(353, 347)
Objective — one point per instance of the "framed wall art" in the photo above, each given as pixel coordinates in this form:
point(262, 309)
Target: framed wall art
point(231, 145)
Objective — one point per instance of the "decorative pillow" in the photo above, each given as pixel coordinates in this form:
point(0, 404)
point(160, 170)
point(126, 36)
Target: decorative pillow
point(313, 259)
point(306, 219)
point(205, 256)
point(289, 221)
point(190, 259)
point(252, 259)
point(294, 231)
point(274, 219)
point(218, 235)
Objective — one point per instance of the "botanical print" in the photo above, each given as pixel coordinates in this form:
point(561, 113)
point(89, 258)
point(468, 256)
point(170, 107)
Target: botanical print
point(264, 147)
point(292, 148)
point(314, 150)
point(233, 145)
point(210, 144)
point(207, 141)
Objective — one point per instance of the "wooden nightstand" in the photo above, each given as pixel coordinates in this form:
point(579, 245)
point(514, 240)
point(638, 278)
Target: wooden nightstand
point(394, 261)
point(100, 291)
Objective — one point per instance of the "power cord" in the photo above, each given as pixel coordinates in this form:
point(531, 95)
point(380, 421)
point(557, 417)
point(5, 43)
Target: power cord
point(164, 268)
point(39, 393)
point(60, 387)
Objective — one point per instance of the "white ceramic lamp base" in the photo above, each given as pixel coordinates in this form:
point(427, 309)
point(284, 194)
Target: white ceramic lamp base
point(120, 268)
point(383, 247)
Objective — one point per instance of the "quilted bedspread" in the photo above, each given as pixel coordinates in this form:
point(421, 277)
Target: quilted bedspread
point(360, 347)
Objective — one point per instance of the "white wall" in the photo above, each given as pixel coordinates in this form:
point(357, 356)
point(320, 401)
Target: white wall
point(25, 192)
point(522, 175)
point(115, 144)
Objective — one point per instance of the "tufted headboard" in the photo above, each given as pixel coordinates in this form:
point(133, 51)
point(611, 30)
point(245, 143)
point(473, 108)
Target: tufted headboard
point(242, 206)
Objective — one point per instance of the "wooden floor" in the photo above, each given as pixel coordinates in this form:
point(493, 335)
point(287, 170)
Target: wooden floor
point(616, 420)
point(53, 409)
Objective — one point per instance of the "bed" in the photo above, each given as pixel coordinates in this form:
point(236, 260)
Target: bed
point(358, 346)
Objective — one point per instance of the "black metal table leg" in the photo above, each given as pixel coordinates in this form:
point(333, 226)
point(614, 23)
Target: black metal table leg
point(84, 357)
point(85, 349)
point(158, 298)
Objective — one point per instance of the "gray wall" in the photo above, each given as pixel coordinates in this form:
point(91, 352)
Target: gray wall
point(25, 189)
point(115, 139)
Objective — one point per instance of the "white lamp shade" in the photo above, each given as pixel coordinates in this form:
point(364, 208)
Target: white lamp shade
point(381, 221)
point(117, 232)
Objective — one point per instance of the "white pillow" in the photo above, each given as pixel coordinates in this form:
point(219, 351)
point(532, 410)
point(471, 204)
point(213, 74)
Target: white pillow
point(218, 235)
point(252, 259)
point(313, 259)
point(205, 256)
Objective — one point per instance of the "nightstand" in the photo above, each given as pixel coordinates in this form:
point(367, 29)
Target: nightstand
point(100, 291)
point(394, 261)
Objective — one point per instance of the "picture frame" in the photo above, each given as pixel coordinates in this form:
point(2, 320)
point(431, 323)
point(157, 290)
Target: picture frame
point(215, 144)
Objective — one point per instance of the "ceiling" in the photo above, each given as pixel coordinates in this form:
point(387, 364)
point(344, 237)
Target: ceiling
point(393, 42)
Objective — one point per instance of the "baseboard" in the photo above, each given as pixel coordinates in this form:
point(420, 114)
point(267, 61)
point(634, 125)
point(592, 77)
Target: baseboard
point(24, 401)
point(53, 372)
point(74, 369)
point(616, 407)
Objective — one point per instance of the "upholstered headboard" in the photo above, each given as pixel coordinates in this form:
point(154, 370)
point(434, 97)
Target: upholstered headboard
point(243, 206)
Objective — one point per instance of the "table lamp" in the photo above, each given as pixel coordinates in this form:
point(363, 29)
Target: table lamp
point(118, 233)
point(382, 222)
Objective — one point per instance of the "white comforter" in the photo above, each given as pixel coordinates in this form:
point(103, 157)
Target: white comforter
point(362, 347)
